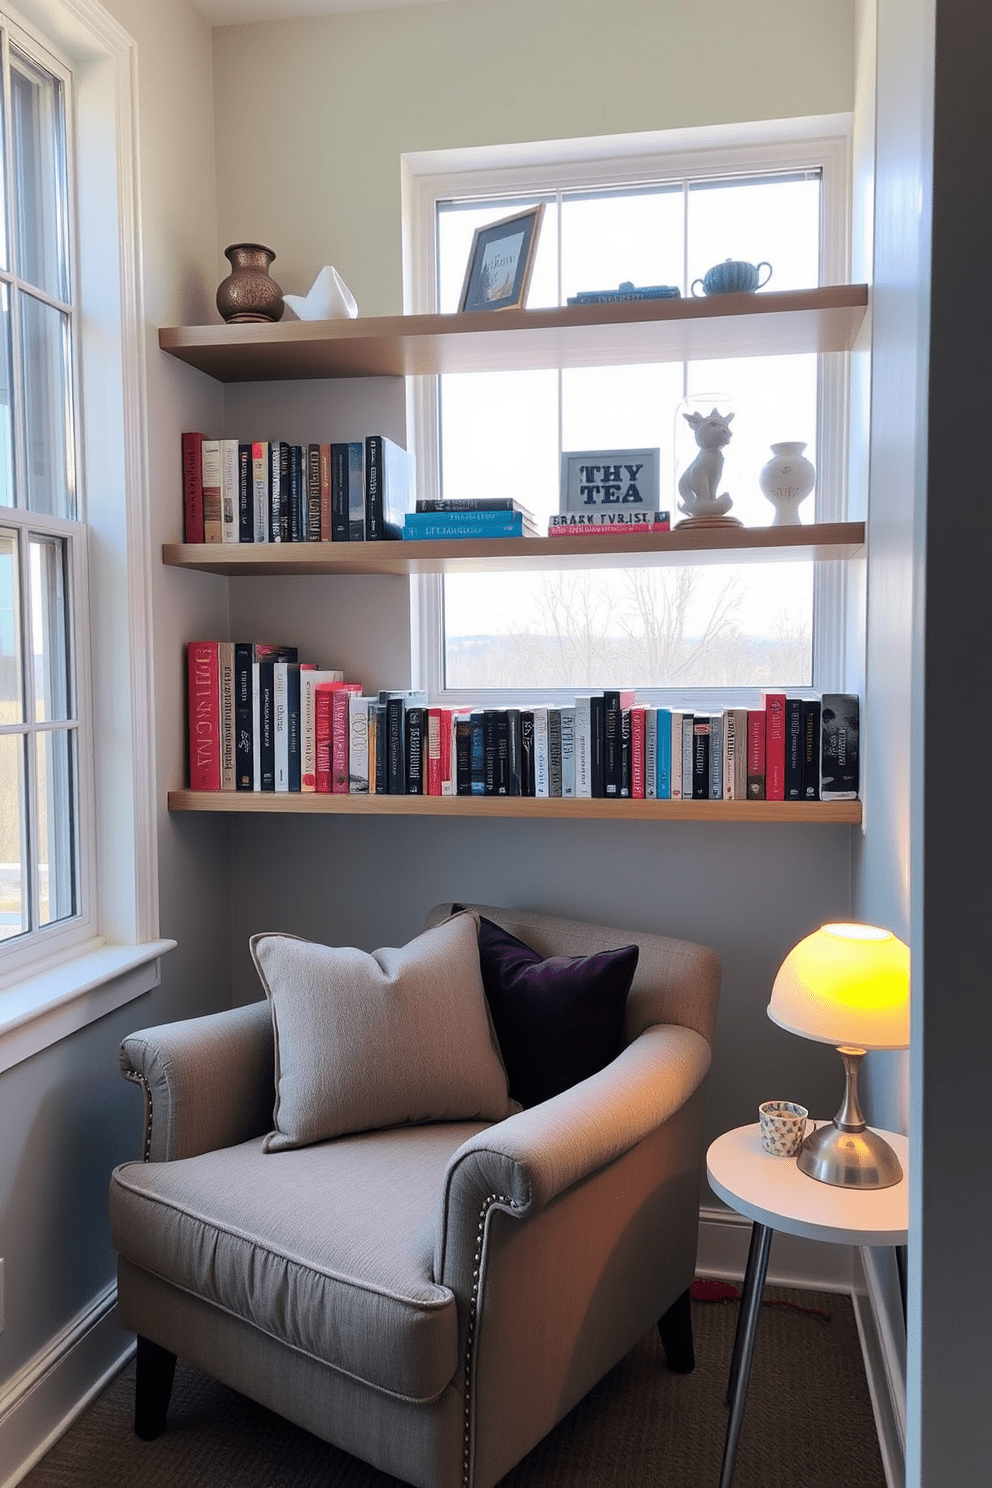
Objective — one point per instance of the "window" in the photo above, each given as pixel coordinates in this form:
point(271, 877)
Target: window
point(44, 826)
point(656, 211)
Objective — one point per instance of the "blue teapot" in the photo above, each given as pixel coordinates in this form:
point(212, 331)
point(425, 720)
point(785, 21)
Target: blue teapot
point(733, 276)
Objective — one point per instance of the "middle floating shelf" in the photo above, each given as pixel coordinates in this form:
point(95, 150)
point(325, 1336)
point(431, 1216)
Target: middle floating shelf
point(817, 541)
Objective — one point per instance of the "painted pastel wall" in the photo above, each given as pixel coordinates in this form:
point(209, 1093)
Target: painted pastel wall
point(311, 165)
point(308, 162)
point(66, 1116)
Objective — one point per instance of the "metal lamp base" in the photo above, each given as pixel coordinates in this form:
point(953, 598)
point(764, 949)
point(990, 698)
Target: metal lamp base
point(846, 1152)
point(849, 1159)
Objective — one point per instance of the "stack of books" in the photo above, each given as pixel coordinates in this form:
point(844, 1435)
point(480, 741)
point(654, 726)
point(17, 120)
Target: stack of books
point(472, 516)
point(596, 523)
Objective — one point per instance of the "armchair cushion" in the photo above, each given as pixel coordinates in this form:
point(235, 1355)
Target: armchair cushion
point(364, 1041)
point(558, 1019)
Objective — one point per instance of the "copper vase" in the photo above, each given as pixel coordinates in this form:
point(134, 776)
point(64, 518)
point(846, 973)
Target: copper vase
point(248, 293)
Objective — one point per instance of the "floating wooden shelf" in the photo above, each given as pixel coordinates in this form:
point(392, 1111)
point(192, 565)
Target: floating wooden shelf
point(819, 541)
point(738, 325)
point(811, 813)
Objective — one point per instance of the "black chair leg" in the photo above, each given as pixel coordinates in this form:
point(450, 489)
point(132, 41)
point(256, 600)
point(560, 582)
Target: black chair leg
point(676, 1335)
point(154, 1374)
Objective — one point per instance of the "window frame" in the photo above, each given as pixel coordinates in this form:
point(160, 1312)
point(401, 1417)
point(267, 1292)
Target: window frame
point(115, 956)
point(822, 142)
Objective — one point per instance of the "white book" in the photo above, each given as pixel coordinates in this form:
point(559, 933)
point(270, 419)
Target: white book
point(650, 752)
point(280, 708)
point(676, 756)
point(716, 757)
point(230, 514)
point(688, 737)
point(358, 744)
point(542, 778)
point(568, 751)
point(309, 682)
point(583, 747)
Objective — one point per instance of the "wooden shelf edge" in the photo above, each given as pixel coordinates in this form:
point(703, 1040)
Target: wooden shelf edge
point(236, 803)
point(824, 541)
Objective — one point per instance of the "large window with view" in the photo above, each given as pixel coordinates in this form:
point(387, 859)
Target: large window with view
point(42, 883)
point(722, 629)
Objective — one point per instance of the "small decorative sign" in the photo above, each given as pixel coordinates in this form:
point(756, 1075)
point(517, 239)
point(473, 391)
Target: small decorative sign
point(619, 480)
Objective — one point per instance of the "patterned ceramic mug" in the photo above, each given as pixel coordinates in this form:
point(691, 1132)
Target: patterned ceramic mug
point(783, 1126)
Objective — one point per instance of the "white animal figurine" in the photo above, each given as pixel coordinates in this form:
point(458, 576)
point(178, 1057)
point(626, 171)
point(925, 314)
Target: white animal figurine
point(698, 485)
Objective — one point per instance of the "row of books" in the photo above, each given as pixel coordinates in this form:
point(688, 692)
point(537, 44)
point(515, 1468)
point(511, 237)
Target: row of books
point(271, 491)
point(472, 516)
point(259, 719)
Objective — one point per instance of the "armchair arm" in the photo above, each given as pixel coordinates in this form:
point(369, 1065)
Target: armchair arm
point(208, 1082)
point(524, 1162)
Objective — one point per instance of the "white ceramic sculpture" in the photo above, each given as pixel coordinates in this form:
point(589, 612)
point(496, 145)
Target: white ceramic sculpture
point(329, 298)
point(786, 480)
point(699, 484)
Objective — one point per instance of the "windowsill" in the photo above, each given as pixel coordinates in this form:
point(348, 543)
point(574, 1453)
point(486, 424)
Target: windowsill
point(41, 1009)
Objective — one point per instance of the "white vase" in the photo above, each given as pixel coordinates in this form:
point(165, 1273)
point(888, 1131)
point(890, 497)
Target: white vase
point(786, 480)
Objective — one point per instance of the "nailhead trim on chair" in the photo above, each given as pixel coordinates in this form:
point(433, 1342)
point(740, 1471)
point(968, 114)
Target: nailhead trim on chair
point(139, 1079)
point(480, 1233)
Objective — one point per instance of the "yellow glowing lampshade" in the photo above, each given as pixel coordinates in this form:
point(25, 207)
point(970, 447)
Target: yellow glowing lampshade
point(845, 984)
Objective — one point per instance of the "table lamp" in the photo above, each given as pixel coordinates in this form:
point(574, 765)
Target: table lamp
point(847, 985)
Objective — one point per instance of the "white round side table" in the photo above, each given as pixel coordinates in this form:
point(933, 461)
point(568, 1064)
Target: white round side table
point(775, 1195)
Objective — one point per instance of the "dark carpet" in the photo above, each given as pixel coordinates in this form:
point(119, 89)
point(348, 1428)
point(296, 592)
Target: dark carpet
point(808, 1422)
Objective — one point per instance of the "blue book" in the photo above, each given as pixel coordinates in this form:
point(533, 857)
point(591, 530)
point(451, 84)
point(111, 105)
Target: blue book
point(422, 526)
point(664, 754)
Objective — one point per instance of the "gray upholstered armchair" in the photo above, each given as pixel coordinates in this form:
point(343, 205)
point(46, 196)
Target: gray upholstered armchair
point(430, 1297)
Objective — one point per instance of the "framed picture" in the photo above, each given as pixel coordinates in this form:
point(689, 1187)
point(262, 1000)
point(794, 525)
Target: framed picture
point(612, 480)
point(501, 261)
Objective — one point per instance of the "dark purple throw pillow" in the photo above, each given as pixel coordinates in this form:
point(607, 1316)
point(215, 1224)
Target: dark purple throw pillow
point(557, 1020)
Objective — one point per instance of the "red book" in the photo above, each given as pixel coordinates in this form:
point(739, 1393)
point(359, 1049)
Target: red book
point(192, 486)
point(434, 730)
point(323, 729)
point(637, 715)
point(340, 733)
point(756, 754)
point(203, 693)
point(774, 746)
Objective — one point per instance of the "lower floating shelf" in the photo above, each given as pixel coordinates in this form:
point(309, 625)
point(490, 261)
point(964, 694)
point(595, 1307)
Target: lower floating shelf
point(809, 813)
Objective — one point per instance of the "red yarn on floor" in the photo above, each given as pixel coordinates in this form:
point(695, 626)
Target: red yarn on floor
point(704, 1289)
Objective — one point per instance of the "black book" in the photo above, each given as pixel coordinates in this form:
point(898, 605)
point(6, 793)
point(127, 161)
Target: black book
point(811, 749)
point(501, 764)
point(340, 531)
point(374, 531)
point(293, 724)
point(297, 497)
point(463, 755)
point(477, 754)
point(793, 749)
point(526, 752)
point(243, 730)
point(554, 751)
point(414, 743)
point(625, 761)
point(377, 720)
point(597, 741)
point(700, 758)
point(267, 724)
point(489, 750)
point(246, 496)
point(313, 493)
point(611, 743)
point(840, 735)
point(467, 503)
point(513, 761)
point(285, 534)
point(275, 490)
point(395, 746)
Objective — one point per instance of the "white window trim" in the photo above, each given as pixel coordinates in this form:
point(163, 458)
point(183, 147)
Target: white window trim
point(429, 176)
point(42, 1002)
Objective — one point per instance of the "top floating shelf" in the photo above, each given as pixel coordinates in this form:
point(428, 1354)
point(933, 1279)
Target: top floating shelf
point(614, 334)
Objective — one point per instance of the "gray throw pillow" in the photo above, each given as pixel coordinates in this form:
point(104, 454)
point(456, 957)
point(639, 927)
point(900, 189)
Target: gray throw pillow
point(391, 1038)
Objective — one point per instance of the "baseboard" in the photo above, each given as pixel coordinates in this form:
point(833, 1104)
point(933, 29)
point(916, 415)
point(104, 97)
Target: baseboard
point(724, 1237)
point(43, 1399)
point(878, 1308)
